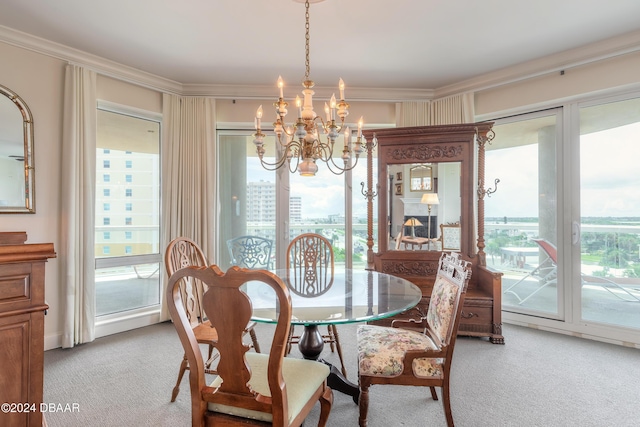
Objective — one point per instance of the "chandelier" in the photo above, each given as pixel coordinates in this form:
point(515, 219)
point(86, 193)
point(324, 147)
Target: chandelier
point(301, 144)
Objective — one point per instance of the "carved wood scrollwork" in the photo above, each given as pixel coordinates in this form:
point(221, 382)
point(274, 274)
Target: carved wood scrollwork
point(410, 268)
point(425, 153)
point(468, 315)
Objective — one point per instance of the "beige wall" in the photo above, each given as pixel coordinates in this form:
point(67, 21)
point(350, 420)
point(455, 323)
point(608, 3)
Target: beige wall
point(622, 72)
point(243, 111)
point(39, 81)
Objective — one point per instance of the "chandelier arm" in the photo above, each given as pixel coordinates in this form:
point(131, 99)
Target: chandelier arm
point(342, 170)
point(273, 166)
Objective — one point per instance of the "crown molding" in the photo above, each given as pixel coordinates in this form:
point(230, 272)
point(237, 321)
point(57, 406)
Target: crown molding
point(605, 49)
point(98, 64)
point(320, 92)
point(599, 51)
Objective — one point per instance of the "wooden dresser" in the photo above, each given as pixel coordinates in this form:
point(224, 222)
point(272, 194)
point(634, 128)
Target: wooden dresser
point(22, 310)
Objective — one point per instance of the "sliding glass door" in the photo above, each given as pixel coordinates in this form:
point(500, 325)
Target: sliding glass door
point(521, 230)
point(280, 205)
point(608, 234)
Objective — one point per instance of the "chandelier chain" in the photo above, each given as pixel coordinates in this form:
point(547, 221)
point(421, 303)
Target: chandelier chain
point(306, 45)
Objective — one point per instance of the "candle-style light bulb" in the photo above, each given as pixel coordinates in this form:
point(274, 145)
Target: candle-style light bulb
point(332, 103)
point(327, 112)
point(347, 137)
point(258, 117)
point(360, 122)
point(341, 86)
point(299, 105)
point(281, 86)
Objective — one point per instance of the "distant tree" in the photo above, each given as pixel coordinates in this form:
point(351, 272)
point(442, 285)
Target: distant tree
point(614, 257)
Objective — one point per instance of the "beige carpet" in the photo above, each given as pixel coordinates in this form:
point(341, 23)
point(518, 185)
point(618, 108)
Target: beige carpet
point(537, 379)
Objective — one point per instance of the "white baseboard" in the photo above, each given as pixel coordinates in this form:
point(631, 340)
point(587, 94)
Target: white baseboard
point(111, 326)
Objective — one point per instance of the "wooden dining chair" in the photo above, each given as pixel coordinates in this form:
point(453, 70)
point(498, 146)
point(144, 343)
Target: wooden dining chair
point(310, 263)
point(417, 352)
point(250, 252)
point(184, 252)
point(251, 388)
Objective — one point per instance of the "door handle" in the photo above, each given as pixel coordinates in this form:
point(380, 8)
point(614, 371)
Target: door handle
point(575, 232)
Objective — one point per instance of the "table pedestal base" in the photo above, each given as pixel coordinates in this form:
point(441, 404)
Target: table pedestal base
point(311, 345)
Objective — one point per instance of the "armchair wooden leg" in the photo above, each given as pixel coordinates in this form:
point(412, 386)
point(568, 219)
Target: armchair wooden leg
point(326, 401)
point(434, 395)
point(446, 403)
point(363, 403)
point(183, 367)
point(254, 340)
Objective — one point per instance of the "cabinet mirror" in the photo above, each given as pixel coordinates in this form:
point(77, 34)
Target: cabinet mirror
point(16, 155)
point(416, 213)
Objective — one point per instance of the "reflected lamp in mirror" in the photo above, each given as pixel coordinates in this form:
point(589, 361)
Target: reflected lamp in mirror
point(430, 199)
point(413, 223)
point(17, 184)
point(421, 178)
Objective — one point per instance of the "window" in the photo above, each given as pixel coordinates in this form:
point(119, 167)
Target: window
point(127, 271)
point(263, 200)
point(106, 164)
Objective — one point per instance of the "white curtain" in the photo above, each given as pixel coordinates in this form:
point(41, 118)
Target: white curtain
point(414, 113)
point(453, 110)
point(188, 175)
point(444, 111)
point(77, 258)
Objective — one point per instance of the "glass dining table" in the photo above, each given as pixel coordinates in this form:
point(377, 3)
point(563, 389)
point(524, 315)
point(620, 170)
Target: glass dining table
point(354, 296)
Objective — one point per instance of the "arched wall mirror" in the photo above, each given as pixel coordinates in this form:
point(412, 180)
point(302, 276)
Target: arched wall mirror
point(17, 183)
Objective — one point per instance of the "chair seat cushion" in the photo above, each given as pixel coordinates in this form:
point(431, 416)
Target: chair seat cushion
point(303, 377)
point(381, 352)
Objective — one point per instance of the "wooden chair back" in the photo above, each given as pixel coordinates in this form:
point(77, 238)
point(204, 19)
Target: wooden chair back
point(180, 253)
point(310, 263)
point(229, 310)
point(250, 252)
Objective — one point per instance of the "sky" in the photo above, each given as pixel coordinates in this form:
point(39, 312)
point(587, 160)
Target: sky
point(609, 179)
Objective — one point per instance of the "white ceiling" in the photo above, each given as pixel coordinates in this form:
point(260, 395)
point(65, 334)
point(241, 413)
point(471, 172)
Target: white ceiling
point(396, 44)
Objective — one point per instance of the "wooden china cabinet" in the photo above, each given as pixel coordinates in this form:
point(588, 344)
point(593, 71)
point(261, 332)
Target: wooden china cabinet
point(454, 156)
point(22, 310)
